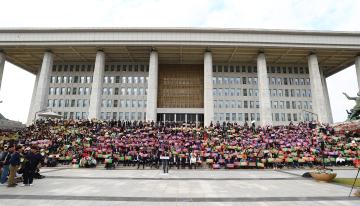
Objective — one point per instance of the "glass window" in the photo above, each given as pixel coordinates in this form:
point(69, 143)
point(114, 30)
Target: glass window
point(237, 92)
point(74, 89)
point(245, 92)
point(273, 80)
point(282, 117)
point(288, 117)
point(233, 117)
point(255, 80)
point(123, 92)
point(240, 117)
point(231, 80)
point(59, 80)
point(87, 90)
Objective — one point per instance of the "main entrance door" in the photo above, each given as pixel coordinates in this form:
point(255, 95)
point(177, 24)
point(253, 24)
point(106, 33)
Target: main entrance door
point(181, 118)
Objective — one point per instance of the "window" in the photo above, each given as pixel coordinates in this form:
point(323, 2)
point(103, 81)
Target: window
point(59, 80)
point(282, 117)
point(237, 92)
point(274, 104)
point(79, 103)
point(281, 104)
point(123, 92)
point(103, 103)
point(240, 117)
point(245, 92)
point(233, 117)
point(76, 79)
point(51, 90)
point(239, 104)
point(251, 104)
point(273, 80)
point(255, 80)
point(74, 89)
point(295, 117)
point(288, 117)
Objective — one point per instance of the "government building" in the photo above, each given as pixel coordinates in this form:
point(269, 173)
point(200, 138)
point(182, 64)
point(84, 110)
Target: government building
point(200, 75)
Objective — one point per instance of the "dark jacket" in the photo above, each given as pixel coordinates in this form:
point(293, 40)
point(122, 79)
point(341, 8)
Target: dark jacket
point(15, 159)
point(6, 158)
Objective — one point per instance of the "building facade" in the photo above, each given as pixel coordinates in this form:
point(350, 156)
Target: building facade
point(181, 74)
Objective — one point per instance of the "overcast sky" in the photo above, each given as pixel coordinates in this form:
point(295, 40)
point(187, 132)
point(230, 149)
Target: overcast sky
point(343, 15)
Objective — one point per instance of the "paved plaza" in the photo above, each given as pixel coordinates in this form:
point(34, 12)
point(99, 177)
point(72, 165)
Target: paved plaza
point(65, 186)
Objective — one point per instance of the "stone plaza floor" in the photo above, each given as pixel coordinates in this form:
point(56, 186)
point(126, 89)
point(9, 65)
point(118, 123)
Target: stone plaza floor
point(77, 187)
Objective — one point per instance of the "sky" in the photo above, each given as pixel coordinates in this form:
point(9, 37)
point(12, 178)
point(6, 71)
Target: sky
point(336, 15)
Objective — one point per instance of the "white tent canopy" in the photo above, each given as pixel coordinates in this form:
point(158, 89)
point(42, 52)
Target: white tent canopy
point(49, 114)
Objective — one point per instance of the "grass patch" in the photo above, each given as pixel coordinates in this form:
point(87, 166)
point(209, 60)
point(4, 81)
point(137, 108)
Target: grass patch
point(347, 181)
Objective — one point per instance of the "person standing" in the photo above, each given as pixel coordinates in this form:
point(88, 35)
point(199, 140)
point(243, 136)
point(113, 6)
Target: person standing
point(6, 164)
point(29, 167)
point(14, 165)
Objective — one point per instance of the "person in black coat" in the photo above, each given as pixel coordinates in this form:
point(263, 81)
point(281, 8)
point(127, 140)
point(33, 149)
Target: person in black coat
point(29, 167)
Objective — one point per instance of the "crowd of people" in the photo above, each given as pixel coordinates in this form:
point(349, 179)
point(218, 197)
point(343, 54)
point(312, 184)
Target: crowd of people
point(144, 144)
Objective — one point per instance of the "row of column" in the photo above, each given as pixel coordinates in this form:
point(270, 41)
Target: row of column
point(320, 96)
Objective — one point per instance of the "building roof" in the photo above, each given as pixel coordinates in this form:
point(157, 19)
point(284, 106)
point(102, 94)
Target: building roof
point(25, 46)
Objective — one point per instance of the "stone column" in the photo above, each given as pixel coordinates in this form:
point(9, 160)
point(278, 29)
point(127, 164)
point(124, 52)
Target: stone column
point(42, 86)
point(317, 90)
point(2, 65)
point(327, 99)
point(357, 67)
point(31, 110)
point(151, 98)
point(96, 87)
point(264, 96)
point(208, 90)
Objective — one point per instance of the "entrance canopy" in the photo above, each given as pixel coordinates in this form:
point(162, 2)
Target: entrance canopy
point(25, 47)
